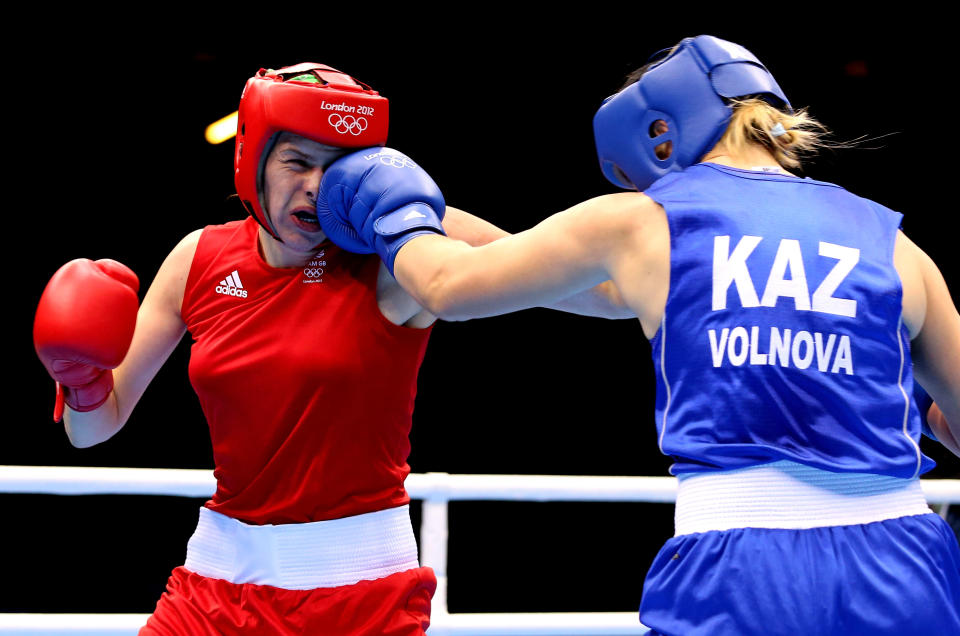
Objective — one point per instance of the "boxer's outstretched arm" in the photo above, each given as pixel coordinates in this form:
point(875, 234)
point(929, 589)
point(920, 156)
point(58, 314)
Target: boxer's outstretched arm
point(159, 329)
point(368, 205)
point(470, 229)
point(602, 301)
point(566, 254)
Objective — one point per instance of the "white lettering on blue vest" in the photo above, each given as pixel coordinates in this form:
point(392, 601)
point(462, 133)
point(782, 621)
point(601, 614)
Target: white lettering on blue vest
point(798, 350)
point(730, 268)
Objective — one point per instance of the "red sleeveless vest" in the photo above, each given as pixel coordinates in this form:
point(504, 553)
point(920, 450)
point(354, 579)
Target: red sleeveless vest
point(307, 388)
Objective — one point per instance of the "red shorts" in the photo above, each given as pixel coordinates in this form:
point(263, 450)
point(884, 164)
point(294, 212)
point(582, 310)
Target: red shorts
point(194, 605)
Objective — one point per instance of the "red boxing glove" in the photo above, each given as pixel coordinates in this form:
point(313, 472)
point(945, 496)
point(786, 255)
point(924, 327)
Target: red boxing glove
point(83, 328)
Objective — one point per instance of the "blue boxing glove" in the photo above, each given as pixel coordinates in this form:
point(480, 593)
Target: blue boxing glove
point(376, 200)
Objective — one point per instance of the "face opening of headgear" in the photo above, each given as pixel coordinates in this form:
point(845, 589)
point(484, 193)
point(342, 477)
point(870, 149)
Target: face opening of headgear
point(689, 91)
point(314, 101)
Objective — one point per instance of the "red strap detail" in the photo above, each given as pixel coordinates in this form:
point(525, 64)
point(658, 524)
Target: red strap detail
point(90, 396)
point(58, 404)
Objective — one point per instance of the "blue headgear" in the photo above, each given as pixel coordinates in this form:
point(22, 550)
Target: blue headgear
point(688, 90)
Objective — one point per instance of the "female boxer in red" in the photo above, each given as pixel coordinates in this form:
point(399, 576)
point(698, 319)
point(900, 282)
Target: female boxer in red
point(308, 531)
point(305, 359)
point(782, 314)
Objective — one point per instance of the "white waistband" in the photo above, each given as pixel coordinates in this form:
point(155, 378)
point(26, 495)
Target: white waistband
point(790, 495)
point(303, 556)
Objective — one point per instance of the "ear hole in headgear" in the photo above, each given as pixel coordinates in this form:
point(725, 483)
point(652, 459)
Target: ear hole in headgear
point(657, 128)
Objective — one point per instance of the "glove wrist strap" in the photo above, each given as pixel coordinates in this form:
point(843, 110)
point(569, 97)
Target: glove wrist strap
point(393, 230)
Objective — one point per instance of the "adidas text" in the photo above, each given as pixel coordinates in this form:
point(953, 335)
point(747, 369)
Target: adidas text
point(232, 291)
point(231, 286)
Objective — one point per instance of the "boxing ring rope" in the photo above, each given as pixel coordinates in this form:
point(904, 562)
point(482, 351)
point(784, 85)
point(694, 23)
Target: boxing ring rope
point(435, 489)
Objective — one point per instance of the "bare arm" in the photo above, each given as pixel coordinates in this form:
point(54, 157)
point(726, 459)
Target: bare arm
point(941, 429)
point(470, 229)
point(566, 254)
point(159, 329)
point(934, 324)
point(398, 306)
point(603, 300)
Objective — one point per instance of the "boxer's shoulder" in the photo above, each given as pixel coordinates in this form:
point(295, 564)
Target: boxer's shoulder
point(170, 284)
point(624, 217)
point(181, 256)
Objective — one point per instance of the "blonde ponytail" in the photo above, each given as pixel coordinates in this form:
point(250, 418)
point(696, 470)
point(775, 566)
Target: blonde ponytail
point(788, 137)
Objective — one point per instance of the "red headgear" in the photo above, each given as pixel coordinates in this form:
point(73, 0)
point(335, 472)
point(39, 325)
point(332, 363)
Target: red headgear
point(332, 109)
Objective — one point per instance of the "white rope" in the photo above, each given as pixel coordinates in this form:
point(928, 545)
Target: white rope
point(65, 480)
point(59, 480)
point(941, 491)
point(436, 489)
point(73, 624)
point(442, 486)
point(554, 624)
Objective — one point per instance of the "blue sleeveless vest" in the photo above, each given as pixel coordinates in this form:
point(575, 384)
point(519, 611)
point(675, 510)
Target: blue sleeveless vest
point(782, 337)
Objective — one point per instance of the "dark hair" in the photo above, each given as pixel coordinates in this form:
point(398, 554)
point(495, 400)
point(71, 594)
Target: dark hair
point(655, 59)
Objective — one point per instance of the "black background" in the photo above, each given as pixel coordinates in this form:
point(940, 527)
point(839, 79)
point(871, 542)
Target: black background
point(105, 157)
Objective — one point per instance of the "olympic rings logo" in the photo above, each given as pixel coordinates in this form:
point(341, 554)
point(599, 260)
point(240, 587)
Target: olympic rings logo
point(397, 161)
point(347, 124)
point(313, 272)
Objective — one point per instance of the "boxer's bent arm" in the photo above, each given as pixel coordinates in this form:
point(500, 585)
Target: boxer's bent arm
point(938, 423)
point(159, 329)
point(936, 347)
point(566, 254)
point(602, 301)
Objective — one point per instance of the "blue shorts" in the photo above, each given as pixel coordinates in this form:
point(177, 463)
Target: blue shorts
point(899, 576)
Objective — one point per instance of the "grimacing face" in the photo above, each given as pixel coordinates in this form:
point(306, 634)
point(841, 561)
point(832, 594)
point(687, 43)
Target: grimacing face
point(291, 181)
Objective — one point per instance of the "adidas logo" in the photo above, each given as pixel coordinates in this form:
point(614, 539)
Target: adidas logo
point(414, 215)
point(231, 286)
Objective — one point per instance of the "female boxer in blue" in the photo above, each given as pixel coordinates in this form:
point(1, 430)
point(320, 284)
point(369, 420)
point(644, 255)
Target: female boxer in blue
point(788, 319)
